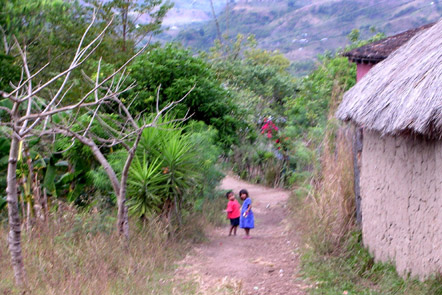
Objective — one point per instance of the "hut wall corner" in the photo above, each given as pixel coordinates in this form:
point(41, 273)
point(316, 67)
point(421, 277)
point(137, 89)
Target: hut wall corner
point(401, 191)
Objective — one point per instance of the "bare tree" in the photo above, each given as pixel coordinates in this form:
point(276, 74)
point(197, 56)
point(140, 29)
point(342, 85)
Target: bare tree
point(31, 113)
point(127, 134)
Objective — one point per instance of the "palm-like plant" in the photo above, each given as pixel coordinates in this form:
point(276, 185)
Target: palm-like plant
point(145, 184)
point(182, 167)
point(166, 168)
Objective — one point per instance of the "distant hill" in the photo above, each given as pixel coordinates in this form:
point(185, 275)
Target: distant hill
point(301, 29)
point(192, 11)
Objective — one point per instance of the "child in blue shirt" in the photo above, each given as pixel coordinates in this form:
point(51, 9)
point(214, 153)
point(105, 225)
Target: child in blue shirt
point(246, 220)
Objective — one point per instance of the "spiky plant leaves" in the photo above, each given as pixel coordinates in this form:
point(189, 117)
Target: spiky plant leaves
point(145, 185)
point(182, 165)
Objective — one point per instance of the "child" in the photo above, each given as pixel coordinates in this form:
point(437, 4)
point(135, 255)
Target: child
point(246, 221)
point(232, 212)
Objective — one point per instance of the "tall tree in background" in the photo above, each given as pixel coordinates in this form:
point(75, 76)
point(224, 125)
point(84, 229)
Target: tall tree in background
point(135, 20)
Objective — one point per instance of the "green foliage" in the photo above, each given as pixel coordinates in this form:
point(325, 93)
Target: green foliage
point(29, 21)
point(302, 68)
point(243, 67)
point(260, 82)
point(98, 176)
point(2, 203)
point(355, 272)
point(203, 139)
point(354, 35)
point(9, 72)
point(356, 42)
point(84, 181)
point(311, 106)
point(180, 167)
point(145, 185)
point(22, 19)
point(4, 157)
point(177, 72)
point(174, 167)
point(318, 95)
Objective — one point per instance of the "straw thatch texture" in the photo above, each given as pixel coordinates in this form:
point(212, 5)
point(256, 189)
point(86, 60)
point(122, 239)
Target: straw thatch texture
point(403, 93)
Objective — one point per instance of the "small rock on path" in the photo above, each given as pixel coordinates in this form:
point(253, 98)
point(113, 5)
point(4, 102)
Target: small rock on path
point(265, 264)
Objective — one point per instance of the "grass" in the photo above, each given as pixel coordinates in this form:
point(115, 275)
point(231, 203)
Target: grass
point(354, 272)
point(81, 254)
point(344, 266)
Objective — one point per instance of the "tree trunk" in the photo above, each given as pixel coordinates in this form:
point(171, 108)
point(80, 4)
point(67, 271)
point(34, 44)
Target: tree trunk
point(14, 236)
point(124, 17)
point(218, 30)
point(123, 217)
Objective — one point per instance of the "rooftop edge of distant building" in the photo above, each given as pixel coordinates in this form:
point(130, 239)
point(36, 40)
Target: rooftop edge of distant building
point(380, 50)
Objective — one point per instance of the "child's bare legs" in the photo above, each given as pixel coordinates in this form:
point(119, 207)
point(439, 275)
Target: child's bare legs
point(233, 229)
point(247, 231)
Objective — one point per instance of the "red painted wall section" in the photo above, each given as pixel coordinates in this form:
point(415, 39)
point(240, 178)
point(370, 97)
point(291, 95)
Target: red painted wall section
point(361, 70)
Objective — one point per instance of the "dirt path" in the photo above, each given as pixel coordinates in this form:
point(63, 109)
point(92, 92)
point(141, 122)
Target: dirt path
point(265, 264)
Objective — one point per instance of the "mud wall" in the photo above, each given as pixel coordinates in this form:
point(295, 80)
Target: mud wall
point(401, 191)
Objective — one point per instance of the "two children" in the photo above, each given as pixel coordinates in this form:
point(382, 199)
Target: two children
point(243, 218)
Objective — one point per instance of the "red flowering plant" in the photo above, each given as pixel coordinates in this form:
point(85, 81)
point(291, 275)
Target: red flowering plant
point(271, 131)
point(282, 143)
point(269, 128)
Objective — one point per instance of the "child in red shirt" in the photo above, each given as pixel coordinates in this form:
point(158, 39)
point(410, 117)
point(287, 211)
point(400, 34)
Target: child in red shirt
point(233, 212)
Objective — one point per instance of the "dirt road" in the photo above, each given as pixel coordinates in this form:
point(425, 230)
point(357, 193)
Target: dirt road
point(265, 264)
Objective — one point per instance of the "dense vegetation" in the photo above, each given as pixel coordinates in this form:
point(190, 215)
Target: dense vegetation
point(101, 131)
point(95, 133)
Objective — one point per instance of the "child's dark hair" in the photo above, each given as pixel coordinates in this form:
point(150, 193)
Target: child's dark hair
point(244, 191)
point(228, 194)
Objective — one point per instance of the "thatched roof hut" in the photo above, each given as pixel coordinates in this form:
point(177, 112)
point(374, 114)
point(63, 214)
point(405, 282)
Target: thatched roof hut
point(398, 107)
point(403, 93)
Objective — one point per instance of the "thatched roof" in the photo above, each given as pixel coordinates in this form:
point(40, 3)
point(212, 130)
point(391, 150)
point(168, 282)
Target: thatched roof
point(380, 50)
point(403, 93)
